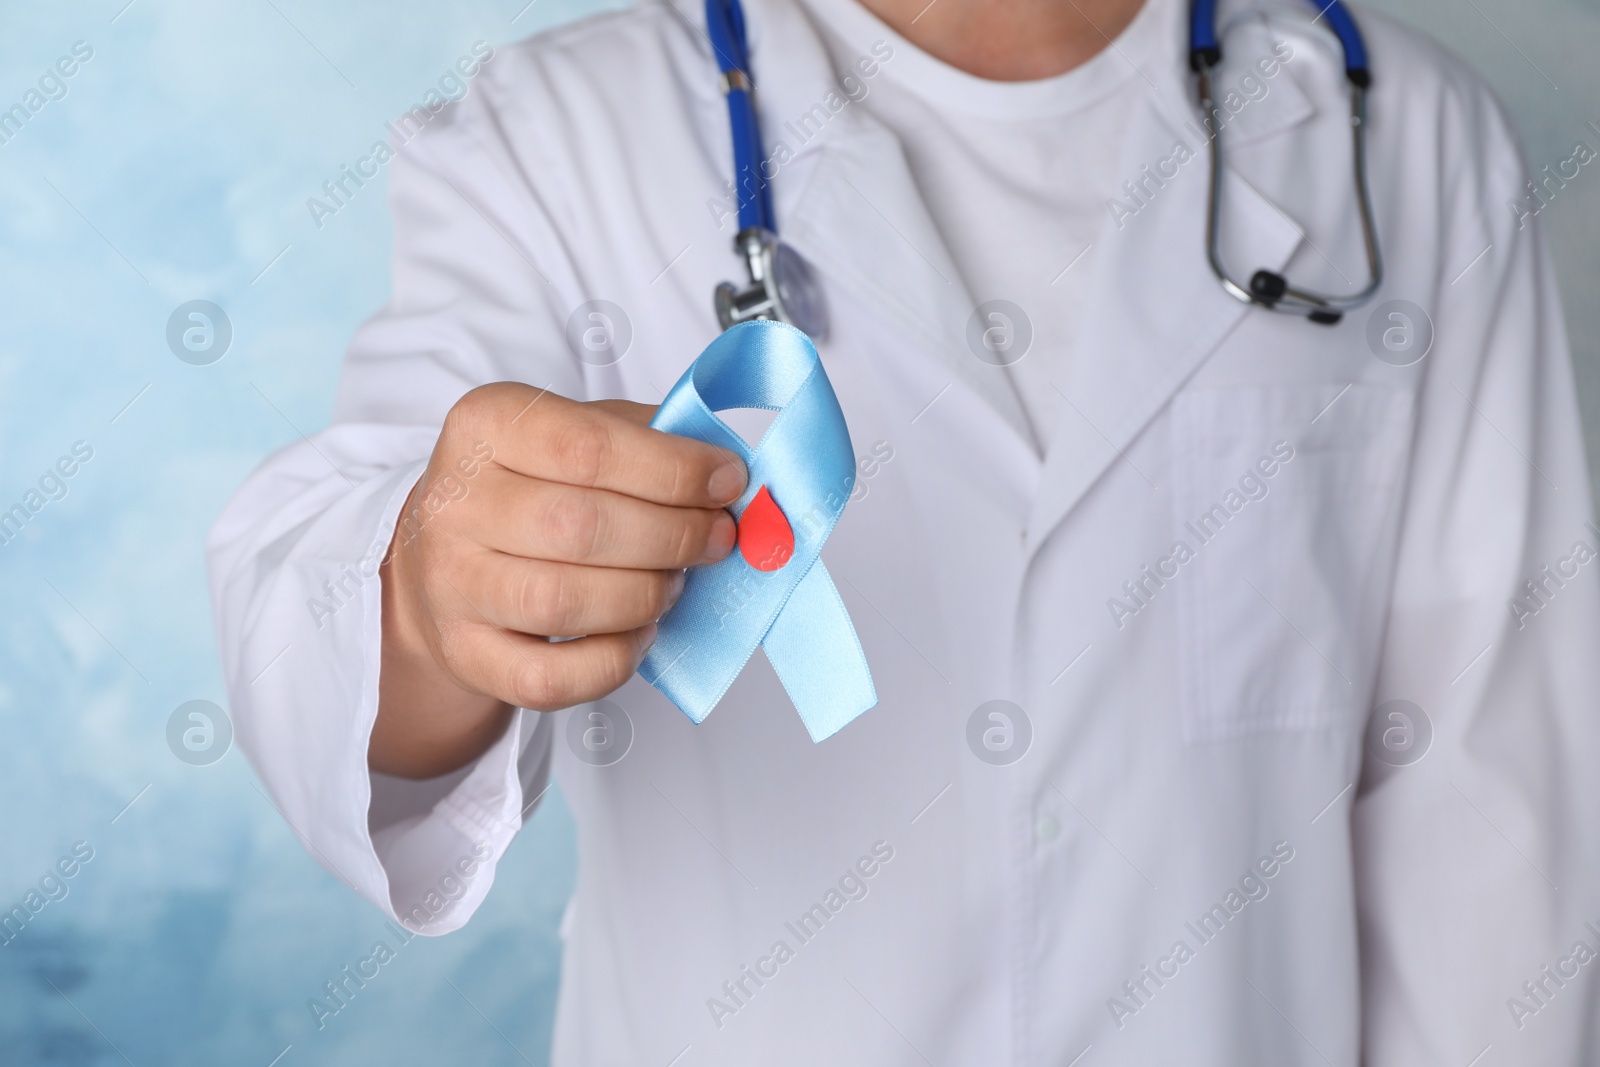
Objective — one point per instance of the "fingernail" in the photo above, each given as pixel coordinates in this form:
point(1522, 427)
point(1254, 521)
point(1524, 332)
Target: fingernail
point(723, 535)
point(727, 482)
point(675, 587)
point(647, 637)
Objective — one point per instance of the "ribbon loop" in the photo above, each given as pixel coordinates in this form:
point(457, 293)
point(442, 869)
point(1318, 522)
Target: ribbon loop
point(792, 611)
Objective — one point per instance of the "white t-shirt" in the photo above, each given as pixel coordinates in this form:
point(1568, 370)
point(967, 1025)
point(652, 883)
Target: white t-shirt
point(1016, 176)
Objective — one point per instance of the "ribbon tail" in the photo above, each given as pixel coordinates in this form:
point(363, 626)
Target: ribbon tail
point(693, 662)
point(813, 648)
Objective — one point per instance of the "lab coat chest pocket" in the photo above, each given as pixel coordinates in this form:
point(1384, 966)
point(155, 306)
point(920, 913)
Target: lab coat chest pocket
point(1288, 497)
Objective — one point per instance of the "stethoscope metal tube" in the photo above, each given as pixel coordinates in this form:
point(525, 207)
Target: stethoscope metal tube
point(1266, 288)
point(781, 285)
point(759, 299)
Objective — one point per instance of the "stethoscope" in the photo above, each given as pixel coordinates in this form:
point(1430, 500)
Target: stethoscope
point(781, 285)
point(1267, 288)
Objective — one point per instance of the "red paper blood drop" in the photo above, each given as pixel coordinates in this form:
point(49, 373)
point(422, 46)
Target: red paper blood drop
point(765, 540)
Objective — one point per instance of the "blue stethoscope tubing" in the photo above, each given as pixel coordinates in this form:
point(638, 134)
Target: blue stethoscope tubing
point(758, 240)
point(725, 27)
point(1203, 36)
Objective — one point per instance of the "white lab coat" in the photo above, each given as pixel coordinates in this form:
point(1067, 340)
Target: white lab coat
point(1210, 728)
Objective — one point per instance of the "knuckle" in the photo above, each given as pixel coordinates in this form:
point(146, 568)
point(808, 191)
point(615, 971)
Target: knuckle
point(693, 535)
point(583, 448)
point(433, 573)
point(547, 599)
point(427, 520)
point(609, 666)
point(620, 663)
point(657, 593)
point(450, 642)
point(484, 410)
point(470, 411)
point(534, 687)
point(689, 476)
point(573, 523)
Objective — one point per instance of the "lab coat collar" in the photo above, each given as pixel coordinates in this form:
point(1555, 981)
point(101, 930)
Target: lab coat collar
point(1155, 310)
point(846, 199)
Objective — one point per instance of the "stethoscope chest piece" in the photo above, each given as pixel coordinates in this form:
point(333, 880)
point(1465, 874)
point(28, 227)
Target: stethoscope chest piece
point(782, 286)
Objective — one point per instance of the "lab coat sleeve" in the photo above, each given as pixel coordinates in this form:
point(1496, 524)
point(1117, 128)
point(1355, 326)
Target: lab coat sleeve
point(1479, 865)
point(294, 557)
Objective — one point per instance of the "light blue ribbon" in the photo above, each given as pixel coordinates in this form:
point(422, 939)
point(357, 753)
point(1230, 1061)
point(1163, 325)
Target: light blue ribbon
point(729, 608)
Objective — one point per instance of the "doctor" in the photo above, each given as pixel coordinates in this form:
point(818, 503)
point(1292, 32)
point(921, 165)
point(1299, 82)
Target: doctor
point(1237, 673)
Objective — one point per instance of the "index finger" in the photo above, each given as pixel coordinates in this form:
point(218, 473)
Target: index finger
point(607, 446)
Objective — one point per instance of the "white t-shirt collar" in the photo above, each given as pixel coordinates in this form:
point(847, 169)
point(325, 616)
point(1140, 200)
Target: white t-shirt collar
point(1129, 55)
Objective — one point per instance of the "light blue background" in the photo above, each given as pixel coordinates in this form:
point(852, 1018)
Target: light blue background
point(176, 168)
